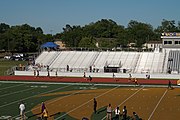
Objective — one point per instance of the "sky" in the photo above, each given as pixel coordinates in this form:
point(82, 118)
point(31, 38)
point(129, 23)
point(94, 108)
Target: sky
point(53, 15)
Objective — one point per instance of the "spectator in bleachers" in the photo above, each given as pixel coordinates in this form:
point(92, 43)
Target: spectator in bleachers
point(48, 73)
point(169, 70)
point(90, 68)
point(84, 76)
point(37, 72)
point(94, 69)
point(56, 73)
point(34, 73)
point(47, 67)
point(67, 67)
point(113, 76)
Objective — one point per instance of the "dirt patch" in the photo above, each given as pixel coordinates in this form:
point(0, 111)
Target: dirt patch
point(142, 102)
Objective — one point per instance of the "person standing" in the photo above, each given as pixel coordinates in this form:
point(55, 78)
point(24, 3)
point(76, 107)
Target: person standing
point(95, 105)
point(130, 77)
point(56, 73)
point(117, 113)
point(135, 116)
point(109, 112)
point(90, 68)
point(136, 81)
point(34, 73)
point(113, 76)
point(37, 72)
point(90, 78)
point(84, 76)
point(48, 74)
point(42, 107)
point(22, 111)
point(67, 68)
point(124, 113)
point(169, 85)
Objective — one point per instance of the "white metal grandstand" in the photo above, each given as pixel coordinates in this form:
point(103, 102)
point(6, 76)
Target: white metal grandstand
point(133, 62)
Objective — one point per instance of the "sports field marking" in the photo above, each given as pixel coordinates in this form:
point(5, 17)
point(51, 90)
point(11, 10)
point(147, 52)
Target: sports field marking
point(31, 97)
point(60, 98)
point(86, 103)
point(54, 100)
point(15, 92)
point(157, 104)
point(36, 95)
point(11, 86)
point(127, 99)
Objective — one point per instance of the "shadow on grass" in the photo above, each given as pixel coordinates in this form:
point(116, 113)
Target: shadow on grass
point(100, 114)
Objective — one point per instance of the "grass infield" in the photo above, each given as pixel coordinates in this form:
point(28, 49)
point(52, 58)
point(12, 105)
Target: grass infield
point(72, 101)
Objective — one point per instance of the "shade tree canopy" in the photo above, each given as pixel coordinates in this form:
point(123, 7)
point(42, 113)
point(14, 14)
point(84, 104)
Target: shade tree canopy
point(105, 32)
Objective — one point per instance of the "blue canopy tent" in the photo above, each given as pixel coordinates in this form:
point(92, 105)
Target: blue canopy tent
point(49, 45)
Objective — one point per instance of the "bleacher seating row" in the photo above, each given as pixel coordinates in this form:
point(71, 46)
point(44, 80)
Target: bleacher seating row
point(174, 61)
point(134, 62)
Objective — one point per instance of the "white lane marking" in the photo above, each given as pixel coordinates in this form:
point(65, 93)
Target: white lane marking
point(86, 103)
point(16, 92)
point(126, 99)
point(30, 97)
point(36, 95)
point(11, 86)
point(157, 104)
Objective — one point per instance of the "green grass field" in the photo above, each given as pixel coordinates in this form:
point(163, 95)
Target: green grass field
point(7, 64)
point(11, 94)
point(149, 102)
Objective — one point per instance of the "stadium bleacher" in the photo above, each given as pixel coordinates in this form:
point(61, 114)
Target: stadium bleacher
point(136, 63)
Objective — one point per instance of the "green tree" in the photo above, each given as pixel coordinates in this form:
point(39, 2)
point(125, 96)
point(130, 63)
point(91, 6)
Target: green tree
point(21, 38)
point(139, 33)
point(87, 42)
point(4, 27)
point(72, 35)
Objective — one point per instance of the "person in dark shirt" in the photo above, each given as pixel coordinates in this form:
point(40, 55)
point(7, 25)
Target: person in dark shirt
point(95, 106)
point(135, 116)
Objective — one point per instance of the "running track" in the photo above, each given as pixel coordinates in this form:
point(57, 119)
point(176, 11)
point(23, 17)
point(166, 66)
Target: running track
point(80, 79)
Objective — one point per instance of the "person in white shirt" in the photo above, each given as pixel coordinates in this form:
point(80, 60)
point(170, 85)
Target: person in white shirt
point(22, 111)
point(109, 112)
point(117, 113)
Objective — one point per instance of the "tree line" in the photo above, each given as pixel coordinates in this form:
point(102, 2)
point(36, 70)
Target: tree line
point(106, 32)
